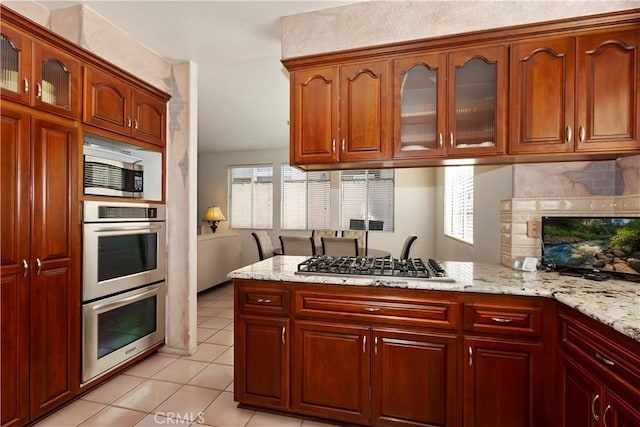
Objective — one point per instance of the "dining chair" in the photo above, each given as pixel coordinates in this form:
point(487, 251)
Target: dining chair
point(264, 243)
point(406, 248)
point(340, 246)
point(317, 236)
point(297, 245)
point(362, 236)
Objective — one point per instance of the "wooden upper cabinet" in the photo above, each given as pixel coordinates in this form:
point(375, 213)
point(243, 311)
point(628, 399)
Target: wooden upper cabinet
point(608, 97)
point(340, 113)
point(314, 115)
point(364, 127)
point(39, 75)
point(542, 96)
point(113, 104)
point(15, 76)
point(450, 104)
point(477, 101)
point(419, 106)
point(565, 98)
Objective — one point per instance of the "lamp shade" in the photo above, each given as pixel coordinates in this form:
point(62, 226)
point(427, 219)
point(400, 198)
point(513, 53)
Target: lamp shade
point(214, 214)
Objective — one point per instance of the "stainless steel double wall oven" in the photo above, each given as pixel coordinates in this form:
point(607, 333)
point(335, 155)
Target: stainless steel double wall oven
point(123, 289)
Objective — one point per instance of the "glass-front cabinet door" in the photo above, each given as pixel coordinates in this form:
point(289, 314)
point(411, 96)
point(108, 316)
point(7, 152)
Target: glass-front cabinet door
point(477, 100)
point(55, 76)
point(15, 53)
point(420, 96)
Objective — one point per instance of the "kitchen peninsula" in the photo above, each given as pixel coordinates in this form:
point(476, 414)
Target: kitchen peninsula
point(497, 347)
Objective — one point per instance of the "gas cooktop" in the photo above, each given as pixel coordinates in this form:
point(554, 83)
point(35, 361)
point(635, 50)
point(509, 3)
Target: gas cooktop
point(383, 268)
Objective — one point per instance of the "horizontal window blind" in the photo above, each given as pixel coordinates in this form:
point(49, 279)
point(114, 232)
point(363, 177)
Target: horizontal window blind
point(367, 199)
point(306, 201)
point(251, 197)
point(458, 202)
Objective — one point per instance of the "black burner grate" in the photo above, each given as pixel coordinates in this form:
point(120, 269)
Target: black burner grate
point(414, 268)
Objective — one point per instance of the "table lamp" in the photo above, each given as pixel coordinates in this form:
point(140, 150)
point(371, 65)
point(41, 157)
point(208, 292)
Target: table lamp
point(213, 216)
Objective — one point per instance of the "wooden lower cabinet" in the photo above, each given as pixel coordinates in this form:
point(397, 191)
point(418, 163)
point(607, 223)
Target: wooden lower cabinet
point(262, 371)
point(374, 376)
point(331, 371)
point(413, 378)
point(502, 379)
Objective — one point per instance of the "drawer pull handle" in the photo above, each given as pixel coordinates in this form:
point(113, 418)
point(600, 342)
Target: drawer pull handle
point(470, 356)
point(604, 416)
point(25, 268)
point(593, 407)
point(501, 320)
point(264, 300)
point(371, 309)
point(605, 360)
point(375, 345)
point(283, 333)
point(26, 85)
point(364, 343)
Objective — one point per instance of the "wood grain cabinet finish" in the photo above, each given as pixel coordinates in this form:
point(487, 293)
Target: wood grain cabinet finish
point(40, 270)
point(113, 104)
point(42, 76)
point(340, 114)
point(599, 374)
point(262, 349)
point(564, 99)
point(502, 380)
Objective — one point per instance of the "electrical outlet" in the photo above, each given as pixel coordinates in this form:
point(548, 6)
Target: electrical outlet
point(533, 228)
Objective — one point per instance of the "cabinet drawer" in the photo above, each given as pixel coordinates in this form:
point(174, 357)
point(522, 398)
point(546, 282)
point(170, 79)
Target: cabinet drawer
point(582, 341)
point(265, 301)
point(344, 306)
point(518, 320)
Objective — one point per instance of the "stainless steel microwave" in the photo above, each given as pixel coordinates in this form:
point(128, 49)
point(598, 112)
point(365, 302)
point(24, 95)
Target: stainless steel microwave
point(112, 173)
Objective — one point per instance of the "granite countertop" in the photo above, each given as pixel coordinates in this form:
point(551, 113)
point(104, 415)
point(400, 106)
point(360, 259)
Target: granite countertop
point(615, 303)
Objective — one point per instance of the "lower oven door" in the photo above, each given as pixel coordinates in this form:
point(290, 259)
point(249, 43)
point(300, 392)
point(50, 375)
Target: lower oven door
point(117, 328)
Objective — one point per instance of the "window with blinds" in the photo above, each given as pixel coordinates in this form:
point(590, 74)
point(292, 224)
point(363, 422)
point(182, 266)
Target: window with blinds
point(306, 201)
point(367, 198)
point(458, 202)
point(251, 197)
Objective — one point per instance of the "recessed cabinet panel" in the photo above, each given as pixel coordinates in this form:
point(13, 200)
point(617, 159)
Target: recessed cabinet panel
point(609, 101)
point(419, 124)
point(542, 96)
point(364, 111)
point(149, 118)
point(106, 101)
point(314, 100)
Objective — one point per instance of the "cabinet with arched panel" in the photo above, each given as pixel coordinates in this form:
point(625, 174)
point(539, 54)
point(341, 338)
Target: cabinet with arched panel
point(340, 114)
point(564, 97)
point(38, 74)
point(450, 104)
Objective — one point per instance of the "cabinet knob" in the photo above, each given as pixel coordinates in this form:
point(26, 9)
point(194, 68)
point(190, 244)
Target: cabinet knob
point(25, 268)
point(128, 122)
point(38, 266)
point(364, 344)
point(135, 125)
point(440, 139)
point(581, 133)
point(569, 133)
point(333, 146)
point(470, 356)
point(451, 139)
point(26, 85)
point(38, 90)
point(283, 334)
point(343, 145)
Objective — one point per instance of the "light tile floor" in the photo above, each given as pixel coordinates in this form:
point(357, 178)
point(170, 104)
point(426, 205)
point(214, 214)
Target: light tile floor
point(166, 389)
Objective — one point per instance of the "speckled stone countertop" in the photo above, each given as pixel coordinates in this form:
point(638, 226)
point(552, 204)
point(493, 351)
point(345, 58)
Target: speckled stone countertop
point(615, 303)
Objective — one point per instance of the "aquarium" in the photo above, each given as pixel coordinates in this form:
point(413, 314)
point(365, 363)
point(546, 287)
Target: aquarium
point(584, 245)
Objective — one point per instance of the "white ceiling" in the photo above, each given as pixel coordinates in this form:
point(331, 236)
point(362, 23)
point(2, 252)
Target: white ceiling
point(243, 89)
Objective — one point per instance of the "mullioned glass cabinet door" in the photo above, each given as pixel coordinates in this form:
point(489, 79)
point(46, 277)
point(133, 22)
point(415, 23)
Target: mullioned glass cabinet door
point(477, 99)
point(15, 75)
point(56, 81)
point(420, 119)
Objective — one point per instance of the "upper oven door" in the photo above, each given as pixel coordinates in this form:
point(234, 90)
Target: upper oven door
point(121, 256)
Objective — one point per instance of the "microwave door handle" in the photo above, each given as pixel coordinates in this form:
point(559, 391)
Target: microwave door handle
point(130, 228)
point(124, 301)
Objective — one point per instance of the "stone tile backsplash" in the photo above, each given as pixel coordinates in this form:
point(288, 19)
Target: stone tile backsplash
point(516, 212)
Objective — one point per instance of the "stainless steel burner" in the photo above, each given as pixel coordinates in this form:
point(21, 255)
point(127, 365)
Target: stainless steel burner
point(412, 268)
